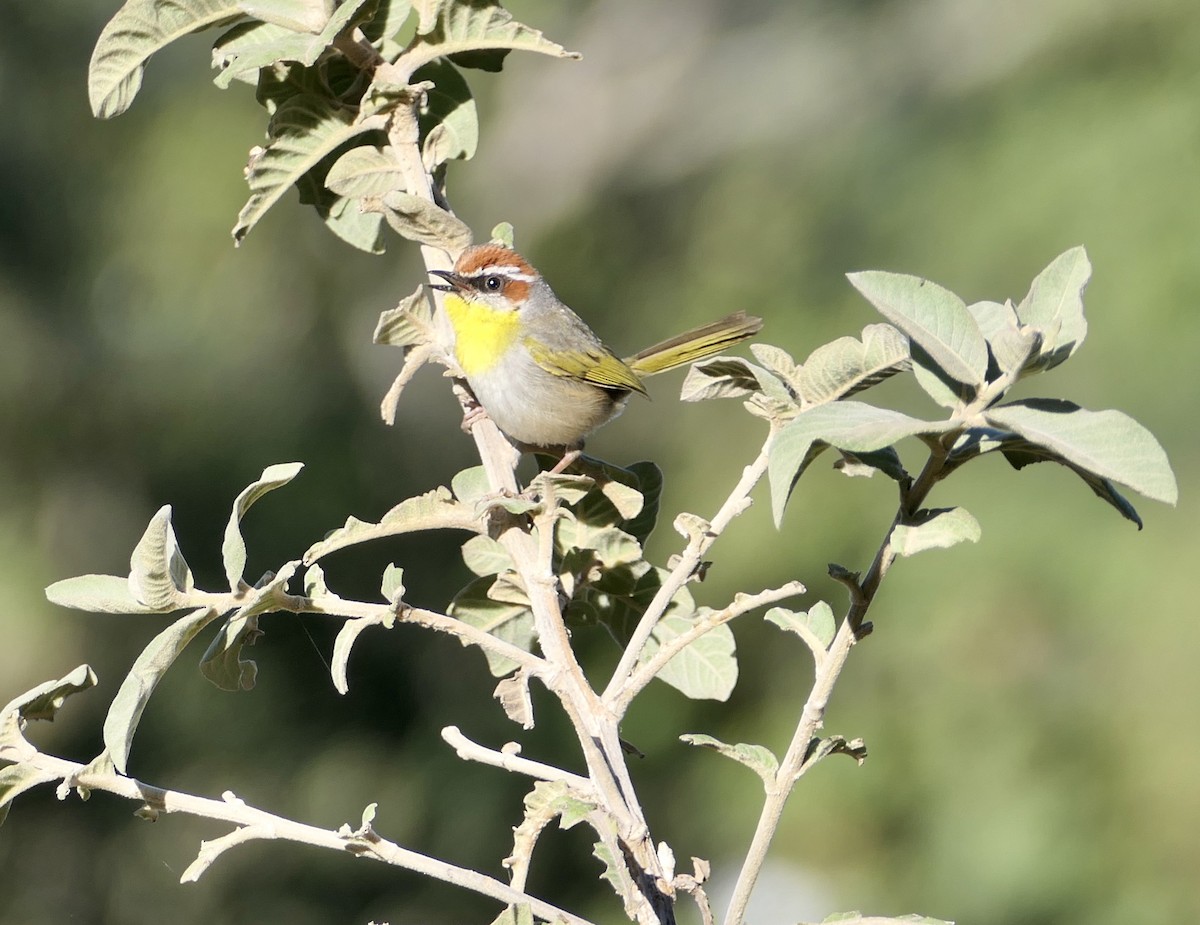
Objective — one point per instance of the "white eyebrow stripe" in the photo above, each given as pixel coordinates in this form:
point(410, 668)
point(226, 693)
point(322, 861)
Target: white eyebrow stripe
point(503, 269)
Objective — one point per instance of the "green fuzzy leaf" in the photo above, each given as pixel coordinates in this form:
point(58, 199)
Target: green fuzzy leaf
point(1011, 343)
point(1054, 308)
point(933, 317)
point(392, 586)
point(233, 551)
point(939, 528)
point(847, 366)
point(467, 29)
point(484, 556)
point(758, 758)
point(1108, 444)
point(342, 645)
point(649, 489)
point(44, 701)
point(304, 130)
point(282, 34)
point(512, 622)
point(15, 779)
point(408, 324)
point(816, 626)
point(365, 171)
point(707, 669)
point(127, 706)
point(297, 15)
point(847, 425)
point(420, 220)
point(434, 510)
point(449, 121)
point(721, 377)
point(159, 576)
point(137, 31)
point(96, 593)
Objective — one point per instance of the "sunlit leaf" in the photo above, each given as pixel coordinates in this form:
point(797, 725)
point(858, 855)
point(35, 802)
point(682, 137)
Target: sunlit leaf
point(137, 31)
point(365, 171)
point(420, 220)
point(508, 621)
point(408, 324)
point(96, 593)
point(148, 669)
point(707, 669)
point(159, 576)
point(847, 365)
point(233, 551)
point(935, 529)
point(1054, 307)
point(433, 510)
point(465, 29)
point(932, 317)
point(1109, 444)
point(816, 626)
point(304, 130)
point(758, 758)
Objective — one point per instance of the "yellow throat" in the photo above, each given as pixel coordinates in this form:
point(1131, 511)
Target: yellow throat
point(482, 334)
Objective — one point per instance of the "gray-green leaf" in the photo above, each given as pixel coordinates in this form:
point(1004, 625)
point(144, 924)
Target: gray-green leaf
point(1109, 444)
point(159, 576)
point(935, 529)
point(758, 758)
point(137, 31)
point(931, 316)
point(1054, 307)
point(233, 551)
point(707, 669)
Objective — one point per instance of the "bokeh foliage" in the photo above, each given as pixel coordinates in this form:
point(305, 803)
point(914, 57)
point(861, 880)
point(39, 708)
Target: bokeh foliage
point(1029, 702)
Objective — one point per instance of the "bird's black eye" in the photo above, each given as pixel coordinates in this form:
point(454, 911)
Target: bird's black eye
point(493, 283)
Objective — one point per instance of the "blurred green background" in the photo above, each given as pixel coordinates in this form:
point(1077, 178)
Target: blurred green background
point(1030, 703)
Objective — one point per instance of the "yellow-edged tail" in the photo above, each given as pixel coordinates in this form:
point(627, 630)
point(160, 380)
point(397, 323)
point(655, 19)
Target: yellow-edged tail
point(695, 344)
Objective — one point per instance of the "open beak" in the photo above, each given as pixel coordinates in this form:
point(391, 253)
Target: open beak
point(456, 282)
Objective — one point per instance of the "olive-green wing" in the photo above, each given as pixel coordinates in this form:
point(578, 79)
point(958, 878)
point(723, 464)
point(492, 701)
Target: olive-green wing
point(595, 365)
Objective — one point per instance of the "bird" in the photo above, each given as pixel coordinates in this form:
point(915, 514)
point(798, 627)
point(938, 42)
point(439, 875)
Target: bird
point(536, 368)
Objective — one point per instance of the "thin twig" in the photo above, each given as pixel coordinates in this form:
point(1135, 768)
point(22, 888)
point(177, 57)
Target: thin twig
point(828, 669)
point(743, 603)
point(473, 751)
point(268, 826)
point(689, 561)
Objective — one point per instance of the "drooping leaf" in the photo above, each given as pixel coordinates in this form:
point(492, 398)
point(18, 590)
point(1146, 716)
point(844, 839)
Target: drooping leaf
point(433, 510)
point(96, 593)
point(148, 669)
point(365, 171)
point(159, 576)
point(467, 31)
point(420, 220)
point(847, 366)
point(848, 425)
point(222, 662)
point(342, 215)
point(720, 377)
point(233, 551)
point(1108, 444)
point(649, 485)
point(408, 324)
point(297, 15)
point(758, 758)
point(15, 779)
point(513, 694)
point(937, 528)
point(44, 701)
point(886, 461)
point(342, 646)
point(932, 317)
point(1054, 307)
point(137, 31)
point(304, 130)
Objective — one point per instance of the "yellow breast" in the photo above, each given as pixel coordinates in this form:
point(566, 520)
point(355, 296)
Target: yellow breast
point(482, 334)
